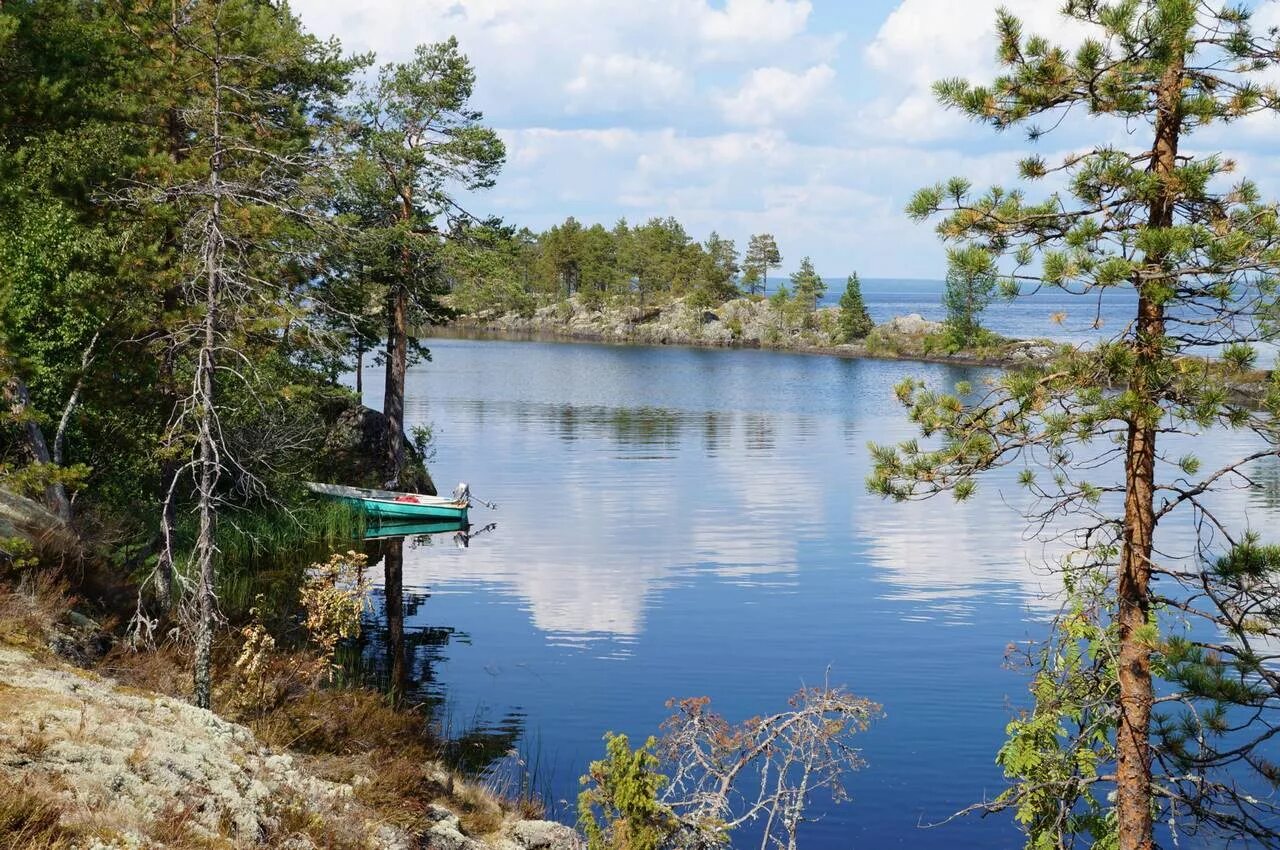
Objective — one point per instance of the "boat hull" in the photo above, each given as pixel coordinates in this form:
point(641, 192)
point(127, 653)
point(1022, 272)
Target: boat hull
point(387, 504)
point(413, 528)
point(405, 510)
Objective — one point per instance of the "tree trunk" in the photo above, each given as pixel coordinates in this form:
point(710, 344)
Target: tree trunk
point(360, 370)
point(393, 394)
point(397, 354)
point(210, 464)
point(393, 575)
point(1134, 797)
point(18, 398)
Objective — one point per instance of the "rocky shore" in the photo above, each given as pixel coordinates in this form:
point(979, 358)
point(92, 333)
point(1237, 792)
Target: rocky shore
point(103, 766)
point(740, 323)
point(88, 762)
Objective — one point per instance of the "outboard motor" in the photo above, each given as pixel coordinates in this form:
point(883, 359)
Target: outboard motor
point(462, 493)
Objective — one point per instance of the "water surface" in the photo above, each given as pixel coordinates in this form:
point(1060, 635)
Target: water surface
point(679, 522)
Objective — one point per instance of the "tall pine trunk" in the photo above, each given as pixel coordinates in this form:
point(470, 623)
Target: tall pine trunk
point(210, 464)
point(1134, 792)
point(393, 574)
point(397, 355)
point(360, 370)
point(397, 364)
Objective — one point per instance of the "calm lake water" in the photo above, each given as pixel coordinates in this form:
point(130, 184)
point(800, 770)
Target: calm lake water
point(678, 522)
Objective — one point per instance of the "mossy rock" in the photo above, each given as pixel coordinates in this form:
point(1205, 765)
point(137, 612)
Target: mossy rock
point(354, 453)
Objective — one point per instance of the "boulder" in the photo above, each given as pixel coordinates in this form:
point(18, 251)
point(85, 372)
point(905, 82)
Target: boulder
point(912, 324)
point(27, 525)
point(354, 454)
point(545, 835)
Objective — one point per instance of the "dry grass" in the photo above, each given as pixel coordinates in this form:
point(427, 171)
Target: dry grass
point(478, 811)
point(29, 609)
point(346, 735)
point(164, 669)
point(32, 818)
point(328, 829)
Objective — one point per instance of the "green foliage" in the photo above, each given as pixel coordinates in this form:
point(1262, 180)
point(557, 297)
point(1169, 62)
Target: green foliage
point(1054, 751)
point(510, 272)
point(854, 322)
point(1202, 253)
point(412, 142)
point(619, 809)
point(807, 285)
point(972, 284)
point(762, 255)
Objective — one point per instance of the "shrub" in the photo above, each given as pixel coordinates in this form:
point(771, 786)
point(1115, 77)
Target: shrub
point(620, 807)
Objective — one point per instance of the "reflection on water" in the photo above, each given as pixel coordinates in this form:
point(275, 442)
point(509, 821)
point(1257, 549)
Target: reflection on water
point(684, 522)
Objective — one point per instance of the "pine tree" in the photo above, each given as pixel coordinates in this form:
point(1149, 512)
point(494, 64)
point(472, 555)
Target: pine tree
point(762, 255)
point(972, 284)
point(417, 142)
point(807, 285)
point(855, 321)
point(1202, 256)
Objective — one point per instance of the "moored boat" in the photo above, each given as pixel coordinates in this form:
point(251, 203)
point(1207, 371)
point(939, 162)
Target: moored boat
point(389, 528)
point(390, 504)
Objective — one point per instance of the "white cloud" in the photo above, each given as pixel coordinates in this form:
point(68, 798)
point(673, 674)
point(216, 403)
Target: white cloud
point(540, 60)
point(923, 41)
point(610, 82)
point(755, 21)
point(769, 95)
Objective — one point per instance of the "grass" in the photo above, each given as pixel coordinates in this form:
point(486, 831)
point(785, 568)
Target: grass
point(32, 818)
point(355, 735)
point(258, 551)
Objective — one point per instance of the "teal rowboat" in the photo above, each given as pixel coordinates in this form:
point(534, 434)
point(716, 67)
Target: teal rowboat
point(416, 528)
point(388, 504)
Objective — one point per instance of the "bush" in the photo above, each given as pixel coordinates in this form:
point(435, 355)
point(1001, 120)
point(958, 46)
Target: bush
point(620, 808)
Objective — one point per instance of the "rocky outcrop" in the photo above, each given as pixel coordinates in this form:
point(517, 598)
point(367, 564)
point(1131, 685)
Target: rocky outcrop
point(742, 322)
point(28, 525)
point(354, 453)
point(132, 763)
point(912, 324)
point(135, 769)
point(446, 833)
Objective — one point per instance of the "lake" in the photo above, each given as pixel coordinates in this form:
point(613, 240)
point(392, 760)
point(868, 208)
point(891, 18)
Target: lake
point(680, 522)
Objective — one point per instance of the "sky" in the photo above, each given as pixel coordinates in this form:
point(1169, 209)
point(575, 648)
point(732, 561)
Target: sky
point(809, 119)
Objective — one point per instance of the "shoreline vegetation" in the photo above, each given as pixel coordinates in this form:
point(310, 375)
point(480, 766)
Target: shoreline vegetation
point(753, 322)
point(745, 322)
point(208, 214)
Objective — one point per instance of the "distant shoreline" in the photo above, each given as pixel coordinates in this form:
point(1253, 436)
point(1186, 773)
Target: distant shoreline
point(746, 324)
point(738, 324)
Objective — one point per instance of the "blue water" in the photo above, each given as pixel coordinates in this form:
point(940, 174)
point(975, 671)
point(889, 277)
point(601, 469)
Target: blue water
point(1046, 312)
point(678, 522)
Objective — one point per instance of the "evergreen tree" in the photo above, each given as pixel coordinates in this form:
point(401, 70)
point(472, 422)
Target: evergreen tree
point(807, 285)
point(1203, 258)
point(762, 255)
point(417, 142)
point(972, 283)
point(719, 270)
point(855, 321)
point(562, 253)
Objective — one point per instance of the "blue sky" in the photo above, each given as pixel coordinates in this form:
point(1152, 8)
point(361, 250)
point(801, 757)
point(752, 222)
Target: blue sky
point(810, 119)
